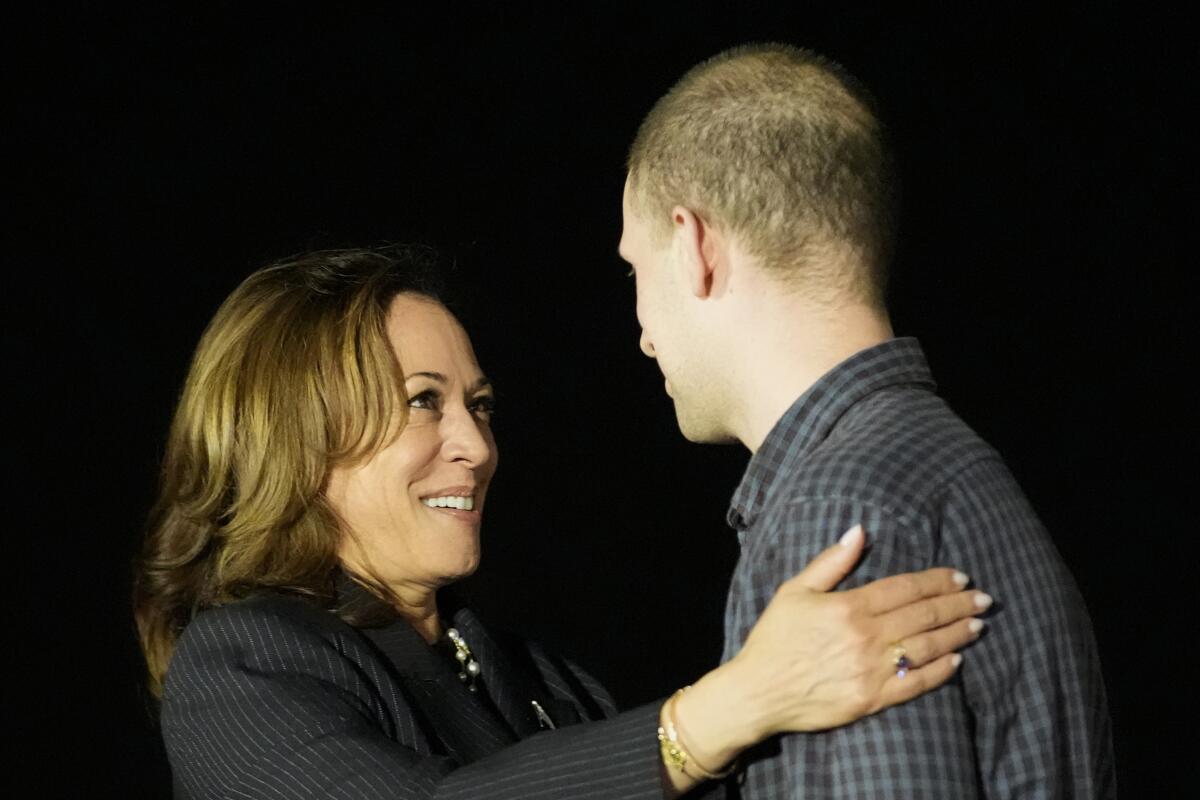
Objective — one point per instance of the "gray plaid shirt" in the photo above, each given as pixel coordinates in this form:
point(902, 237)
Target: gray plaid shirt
point(1026, 716)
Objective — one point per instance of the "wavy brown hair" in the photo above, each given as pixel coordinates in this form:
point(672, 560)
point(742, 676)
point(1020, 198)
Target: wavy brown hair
point(293, 376)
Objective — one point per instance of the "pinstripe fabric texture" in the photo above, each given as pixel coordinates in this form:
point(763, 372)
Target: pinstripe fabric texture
point(1026, 715)
point(273, 698)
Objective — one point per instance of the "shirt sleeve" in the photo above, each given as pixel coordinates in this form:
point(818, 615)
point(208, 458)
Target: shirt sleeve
point(1033, 682)
point(1024, 717)
point(257, 706)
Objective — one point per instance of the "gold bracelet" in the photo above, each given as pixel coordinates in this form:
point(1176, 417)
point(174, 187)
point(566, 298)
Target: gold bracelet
point(673, 752)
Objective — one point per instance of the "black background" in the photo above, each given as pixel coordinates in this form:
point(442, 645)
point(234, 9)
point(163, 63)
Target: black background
point(162, 155)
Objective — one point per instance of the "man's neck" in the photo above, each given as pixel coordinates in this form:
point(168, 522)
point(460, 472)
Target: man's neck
point(789, 348)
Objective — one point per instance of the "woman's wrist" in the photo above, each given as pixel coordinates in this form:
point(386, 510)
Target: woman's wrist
point(676, 750)
point(716, 718)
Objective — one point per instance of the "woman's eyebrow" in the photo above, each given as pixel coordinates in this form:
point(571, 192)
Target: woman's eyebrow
point(437, 376)
point(482, 383)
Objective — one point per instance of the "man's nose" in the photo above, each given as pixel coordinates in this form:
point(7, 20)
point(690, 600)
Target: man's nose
point(646, 345)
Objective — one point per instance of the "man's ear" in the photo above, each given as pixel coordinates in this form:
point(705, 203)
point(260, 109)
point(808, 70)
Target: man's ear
point(704, 259)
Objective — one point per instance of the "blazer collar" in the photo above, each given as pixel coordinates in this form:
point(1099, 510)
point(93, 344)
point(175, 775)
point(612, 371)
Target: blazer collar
point(507, 673)
point(507, 682)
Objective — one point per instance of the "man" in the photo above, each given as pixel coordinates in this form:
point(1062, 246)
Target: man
point(758, 217)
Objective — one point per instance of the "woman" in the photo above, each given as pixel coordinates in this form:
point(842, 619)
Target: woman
point(324, 479)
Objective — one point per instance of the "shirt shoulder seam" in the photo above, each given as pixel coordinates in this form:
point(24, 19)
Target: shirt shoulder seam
point(842, 496)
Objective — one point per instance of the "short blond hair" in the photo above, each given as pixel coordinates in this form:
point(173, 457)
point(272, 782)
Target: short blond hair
point(783, 148)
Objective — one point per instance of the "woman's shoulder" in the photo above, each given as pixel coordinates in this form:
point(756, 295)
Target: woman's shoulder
point(270, 631)
point(262, 613)
point(277, 647)
point(274, 672)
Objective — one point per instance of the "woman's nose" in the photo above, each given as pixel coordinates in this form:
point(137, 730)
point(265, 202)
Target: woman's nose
point(464, 438)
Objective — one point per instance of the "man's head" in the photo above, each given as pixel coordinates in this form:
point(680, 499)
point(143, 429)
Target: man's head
point(761, 175)
point(780, 148)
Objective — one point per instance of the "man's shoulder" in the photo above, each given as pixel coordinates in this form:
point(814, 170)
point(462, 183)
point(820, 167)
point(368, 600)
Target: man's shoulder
point(897, 447)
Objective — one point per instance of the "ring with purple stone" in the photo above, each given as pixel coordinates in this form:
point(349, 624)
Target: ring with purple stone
point(900, 660)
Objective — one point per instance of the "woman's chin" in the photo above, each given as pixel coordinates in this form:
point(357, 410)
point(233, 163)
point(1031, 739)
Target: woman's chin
point(459, 572)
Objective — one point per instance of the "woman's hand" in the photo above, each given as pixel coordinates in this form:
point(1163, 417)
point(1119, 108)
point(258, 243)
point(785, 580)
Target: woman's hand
point(817, 659)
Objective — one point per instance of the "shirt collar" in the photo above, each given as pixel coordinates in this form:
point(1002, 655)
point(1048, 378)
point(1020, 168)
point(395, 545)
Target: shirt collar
point(812, 417)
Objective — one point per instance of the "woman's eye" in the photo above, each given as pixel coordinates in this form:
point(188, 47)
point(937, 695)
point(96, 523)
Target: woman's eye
point(484, 406)
point(425, 399)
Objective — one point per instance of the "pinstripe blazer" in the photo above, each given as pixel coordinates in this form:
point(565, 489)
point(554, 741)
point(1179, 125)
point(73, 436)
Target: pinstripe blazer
point(272, 697)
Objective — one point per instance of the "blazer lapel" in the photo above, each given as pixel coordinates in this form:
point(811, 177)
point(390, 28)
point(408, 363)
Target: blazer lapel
point(508, 676)
point(444, 709)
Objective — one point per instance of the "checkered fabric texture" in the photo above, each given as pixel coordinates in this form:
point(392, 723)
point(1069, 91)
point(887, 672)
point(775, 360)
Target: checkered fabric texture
point(1026, 715)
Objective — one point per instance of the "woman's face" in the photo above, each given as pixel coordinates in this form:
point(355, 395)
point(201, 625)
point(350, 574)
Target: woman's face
point(414, 508)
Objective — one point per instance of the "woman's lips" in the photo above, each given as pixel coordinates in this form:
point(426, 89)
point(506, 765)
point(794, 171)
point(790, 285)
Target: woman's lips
point(455, 501)
point(458, 513)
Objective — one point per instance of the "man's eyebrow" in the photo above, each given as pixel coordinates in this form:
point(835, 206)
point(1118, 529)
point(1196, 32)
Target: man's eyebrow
point(482, 383)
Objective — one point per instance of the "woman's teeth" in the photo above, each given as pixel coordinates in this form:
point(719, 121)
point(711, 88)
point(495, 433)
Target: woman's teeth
point(464, 503)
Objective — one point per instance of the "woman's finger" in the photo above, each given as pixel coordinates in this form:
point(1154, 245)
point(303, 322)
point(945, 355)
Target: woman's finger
point(825, 571)
point(916, 682)
point(923, 648)
point(934, 612)
point(888, 594)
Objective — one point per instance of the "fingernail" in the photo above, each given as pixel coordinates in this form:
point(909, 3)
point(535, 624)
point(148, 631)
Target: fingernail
point(983, 600)
point(975, 625)
point(849, 537)
point(956, 660)
point(960, 578)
